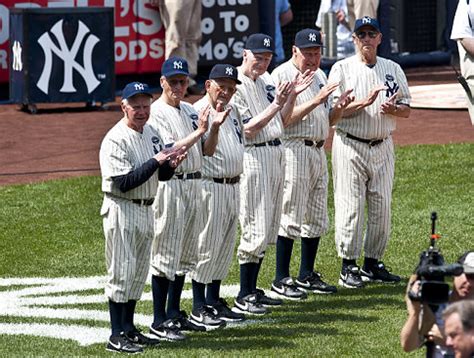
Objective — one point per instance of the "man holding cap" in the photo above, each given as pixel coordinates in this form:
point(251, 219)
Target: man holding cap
point(132, 160)
point(304, 213)
point(262, 105)
point(422, 321)
point(178, 204)
point(363, 155)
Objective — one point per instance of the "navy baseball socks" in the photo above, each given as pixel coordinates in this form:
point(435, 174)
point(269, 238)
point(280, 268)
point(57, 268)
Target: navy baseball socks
point(262, 298)
point(283, 285)
point(118, 342)
point(220, 306)
point(213, 292)
point(132, 333)
point(163, 328)
point(203, 315)
point(159, 289)
point(116, 310)
point(173, 309)
point(247, 301)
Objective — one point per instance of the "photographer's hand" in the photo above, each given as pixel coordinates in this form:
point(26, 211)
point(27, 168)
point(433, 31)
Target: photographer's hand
point(414, 332)
point(409, 336)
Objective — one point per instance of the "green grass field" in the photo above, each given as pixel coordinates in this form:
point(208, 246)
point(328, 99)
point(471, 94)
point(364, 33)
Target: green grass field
point(53, 230)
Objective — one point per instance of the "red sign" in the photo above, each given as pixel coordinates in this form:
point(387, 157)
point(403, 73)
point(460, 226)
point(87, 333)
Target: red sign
point(139, 34)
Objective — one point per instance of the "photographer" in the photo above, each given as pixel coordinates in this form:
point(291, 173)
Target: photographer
point(422, 323)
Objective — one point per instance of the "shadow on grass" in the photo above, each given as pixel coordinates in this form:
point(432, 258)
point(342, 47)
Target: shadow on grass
point(319, 315)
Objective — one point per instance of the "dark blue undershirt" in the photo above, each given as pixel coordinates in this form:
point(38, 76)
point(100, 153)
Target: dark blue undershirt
point(140, 175)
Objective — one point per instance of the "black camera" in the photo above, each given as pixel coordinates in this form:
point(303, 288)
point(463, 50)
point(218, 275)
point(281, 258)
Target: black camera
point(431, 271)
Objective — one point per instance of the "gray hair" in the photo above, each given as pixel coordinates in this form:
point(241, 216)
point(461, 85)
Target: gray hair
point(465, 310)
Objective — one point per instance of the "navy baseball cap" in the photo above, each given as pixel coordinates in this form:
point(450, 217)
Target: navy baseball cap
point(259, 43)
point(175, 66)
point(135, 88)
point(224, 71)
point(367, 21)
point(308, 38)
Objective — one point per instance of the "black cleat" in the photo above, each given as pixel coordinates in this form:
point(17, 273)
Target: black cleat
point(285, 288)
point(122, 344)
point(206, 317)
point(184, 324)
point(378, 273)
point(314, 283)
point(167, 331)
point(267, 301)
point(350, 277)
point(136, 337)
point(224, 313)
point(249, 305)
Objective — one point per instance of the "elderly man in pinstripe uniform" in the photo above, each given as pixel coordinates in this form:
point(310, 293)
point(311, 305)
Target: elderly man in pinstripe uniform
point(264, 104)
point(178, 204)
point(363, 155)
point(132, 160)
point(304, 213)
point(220, 186)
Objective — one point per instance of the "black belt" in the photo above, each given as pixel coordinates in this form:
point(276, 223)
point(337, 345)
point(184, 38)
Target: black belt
point(196, 175)
point(143, 202)
point(310, 143)
point(233, 180)
point(371, 142)
point(273, 143)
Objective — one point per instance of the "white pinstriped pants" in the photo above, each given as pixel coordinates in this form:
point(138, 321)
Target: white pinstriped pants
point(261, 194)
point(362, 173)
point(304, 211)
point(128, 230)
point(178, 222)
point(217, 240)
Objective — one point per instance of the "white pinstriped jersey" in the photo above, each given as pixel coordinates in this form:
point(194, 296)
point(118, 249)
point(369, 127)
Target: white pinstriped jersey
point(352, 73)
point(227, 161)
point(175, 124)
point(123, 150)
point(253, 97)
point(315, 125)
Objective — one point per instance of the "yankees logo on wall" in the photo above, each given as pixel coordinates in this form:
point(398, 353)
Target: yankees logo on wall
point(68, 54)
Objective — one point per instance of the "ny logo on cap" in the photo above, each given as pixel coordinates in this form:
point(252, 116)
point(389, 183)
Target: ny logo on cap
point(312, 37)
point(266, 42)
point(177, 65)
point(229, 71)
point(139, 87)
point(366, 20)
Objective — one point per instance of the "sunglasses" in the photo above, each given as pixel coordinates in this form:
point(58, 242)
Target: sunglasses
point(361, 34)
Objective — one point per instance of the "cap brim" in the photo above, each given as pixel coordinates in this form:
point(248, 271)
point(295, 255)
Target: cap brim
point(137, 93)
point(226, 77)
point(369, 25)
point(310, 45)
point(177, 72)
point(263, 51)
point(468, 269)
